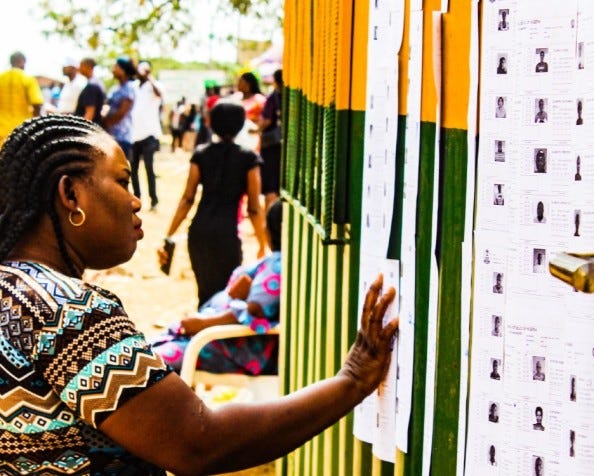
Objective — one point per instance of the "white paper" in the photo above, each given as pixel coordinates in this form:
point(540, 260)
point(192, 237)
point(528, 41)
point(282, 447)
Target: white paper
point(532, 335)
point(386, 402)
point(409, 221)
point(381, 123)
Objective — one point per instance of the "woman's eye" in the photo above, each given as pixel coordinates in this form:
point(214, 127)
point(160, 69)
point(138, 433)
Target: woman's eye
point(124, 183)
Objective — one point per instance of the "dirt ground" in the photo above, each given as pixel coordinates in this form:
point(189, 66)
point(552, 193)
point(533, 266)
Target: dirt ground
point(152, 299)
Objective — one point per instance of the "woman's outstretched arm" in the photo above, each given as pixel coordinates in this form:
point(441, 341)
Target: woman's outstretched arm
point(170, 426)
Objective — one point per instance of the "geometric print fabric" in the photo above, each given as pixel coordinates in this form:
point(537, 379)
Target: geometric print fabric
point(69, 357)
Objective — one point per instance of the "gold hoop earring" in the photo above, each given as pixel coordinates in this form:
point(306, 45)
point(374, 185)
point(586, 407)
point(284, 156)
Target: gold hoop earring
point(82, 219)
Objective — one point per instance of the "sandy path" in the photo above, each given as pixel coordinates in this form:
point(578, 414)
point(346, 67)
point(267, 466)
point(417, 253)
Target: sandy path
point(150, 296)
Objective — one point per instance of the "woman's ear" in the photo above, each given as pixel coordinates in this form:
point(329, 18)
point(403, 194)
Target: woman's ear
point(67, 193)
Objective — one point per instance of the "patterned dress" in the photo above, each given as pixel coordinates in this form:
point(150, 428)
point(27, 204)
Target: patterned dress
point(69, 358)
point(255, 355)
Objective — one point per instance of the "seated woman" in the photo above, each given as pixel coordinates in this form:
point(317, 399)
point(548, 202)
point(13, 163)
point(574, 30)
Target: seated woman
point(250, 298)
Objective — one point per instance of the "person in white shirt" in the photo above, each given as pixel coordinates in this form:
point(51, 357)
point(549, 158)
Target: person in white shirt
point(71, 90)
point(146, 129)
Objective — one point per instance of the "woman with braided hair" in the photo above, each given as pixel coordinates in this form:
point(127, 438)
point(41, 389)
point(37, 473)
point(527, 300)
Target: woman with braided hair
point(81, 392)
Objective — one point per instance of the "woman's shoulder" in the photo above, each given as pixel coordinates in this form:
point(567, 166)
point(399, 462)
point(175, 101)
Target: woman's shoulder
point(199, 152)
point(129, 87)
point(250, 158)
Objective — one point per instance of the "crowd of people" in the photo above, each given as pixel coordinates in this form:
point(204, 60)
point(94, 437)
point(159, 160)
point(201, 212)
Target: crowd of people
point(132, 111)
point(231, 168)
point(87, 392)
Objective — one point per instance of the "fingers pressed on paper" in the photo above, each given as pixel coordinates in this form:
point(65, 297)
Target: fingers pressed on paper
point(380, 307)
point(391, 328)
point(371, 300)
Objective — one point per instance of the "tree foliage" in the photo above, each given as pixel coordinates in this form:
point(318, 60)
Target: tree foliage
point(109, 27)
point(258, 8)
point(102, 25)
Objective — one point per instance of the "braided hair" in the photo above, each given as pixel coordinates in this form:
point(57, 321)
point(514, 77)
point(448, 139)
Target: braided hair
point(32, 160)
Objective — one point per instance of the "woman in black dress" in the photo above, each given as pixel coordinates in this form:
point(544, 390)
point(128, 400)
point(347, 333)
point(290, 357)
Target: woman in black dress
point(226, 172)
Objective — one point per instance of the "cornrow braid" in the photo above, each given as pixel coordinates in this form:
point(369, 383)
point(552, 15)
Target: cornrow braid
point(32, 160)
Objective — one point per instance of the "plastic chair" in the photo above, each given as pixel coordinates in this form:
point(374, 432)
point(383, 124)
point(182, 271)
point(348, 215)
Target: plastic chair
point(217, 389)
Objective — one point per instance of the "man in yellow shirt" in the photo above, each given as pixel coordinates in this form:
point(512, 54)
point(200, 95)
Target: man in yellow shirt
point(20, 96)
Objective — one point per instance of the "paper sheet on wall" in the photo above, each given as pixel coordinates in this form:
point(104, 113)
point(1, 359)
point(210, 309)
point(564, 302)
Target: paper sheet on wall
point(409, 223)
point(533, 336)
point(381, 123)
point(386, 400)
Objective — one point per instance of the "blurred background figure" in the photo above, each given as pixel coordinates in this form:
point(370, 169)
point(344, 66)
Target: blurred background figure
point(92, 97)
point(252, 101)
point(226, 172)
point(189, 129)
point(176, 118)
point(118, 120)
point(213, 94)
point(20, 96)
point(270, 141)
point(146, 129)
point(72, 88)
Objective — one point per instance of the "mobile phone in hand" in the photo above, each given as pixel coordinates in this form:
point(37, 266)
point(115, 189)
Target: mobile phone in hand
point(169, 247)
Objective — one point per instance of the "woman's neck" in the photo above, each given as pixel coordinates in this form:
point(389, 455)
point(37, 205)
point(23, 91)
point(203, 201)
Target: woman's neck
point(41, 251)
point(58, 265)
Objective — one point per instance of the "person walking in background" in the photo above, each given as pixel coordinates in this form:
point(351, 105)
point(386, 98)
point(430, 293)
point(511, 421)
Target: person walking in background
point(189, 127)
point(213, 94)
point(92, 97)
point(118, 120)
point(226, 172)
point(146, 129)
point(72, 88)
point(176, 117)
point(20, 96)
point(270, 141)
point(252, 98)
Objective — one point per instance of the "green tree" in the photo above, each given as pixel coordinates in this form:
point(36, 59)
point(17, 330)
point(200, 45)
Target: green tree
point(118, 25)
point(110, 27)
point(271, 9)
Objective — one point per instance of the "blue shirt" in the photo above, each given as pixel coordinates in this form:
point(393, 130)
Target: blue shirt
point(122, 131)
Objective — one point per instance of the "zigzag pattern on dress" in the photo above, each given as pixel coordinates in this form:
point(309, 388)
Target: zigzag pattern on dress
point(57, 332)
point(70, 463)
point(61, 287)
point(99, 386)
point(23, 411)
point(72, 351)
